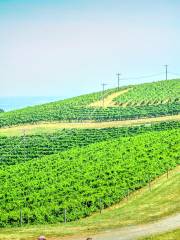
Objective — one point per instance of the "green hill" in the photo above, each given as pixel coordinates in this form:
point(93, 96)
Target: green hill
point(161, 98)
point(142, 206)
point(83, 180)
point(18, 149)
point(84, 170)
point(151, 94)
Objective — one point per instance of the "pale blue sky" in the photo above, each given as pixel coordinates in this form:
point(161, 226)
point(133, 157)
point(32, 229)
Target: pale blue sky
point(66, 48)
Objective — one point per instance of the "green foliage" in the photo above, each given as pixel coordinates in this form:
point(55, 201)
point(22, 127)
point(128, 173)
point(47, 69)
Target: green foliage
point(152, 93)
point(77, 109)
point(1, 110)
point(77, 179)
point(15, 150)
point(38, 114)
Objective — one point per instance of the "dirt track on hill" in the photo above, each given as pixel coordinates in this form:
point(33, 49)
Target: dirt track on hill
point(135, 232)
point(108, 101)
point(50, 127)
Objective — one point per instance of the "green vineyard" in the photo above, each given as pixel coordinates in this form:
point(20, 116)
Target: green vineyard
point(83, 180)
point(151, 94)
point(77, 109)
point(72, 173)
point(40, 114)
point(15, 150)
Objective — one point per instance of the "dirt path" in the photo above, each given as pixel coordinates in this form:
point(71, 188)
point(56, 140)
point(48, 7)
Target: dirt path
point(50, 127)
point(135, 232)
point(108, 101)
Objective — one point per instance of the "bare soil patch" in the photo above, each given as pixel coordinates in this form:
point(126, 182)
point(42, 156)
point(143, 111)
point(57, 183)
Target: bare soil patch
point(108, 101)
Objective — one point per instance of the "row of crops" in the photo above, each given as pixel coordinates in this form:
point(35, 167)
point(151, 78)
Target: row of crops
point(147, 102)
point(65, 113)
point(151, 93)
point(144, 100)
point(77, 179)
point(15, 150)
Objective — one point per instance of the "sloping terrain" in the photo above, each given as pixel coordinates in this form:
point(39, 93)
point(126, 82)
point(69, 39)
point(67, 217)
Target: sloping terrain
point(22, 148)
point(83, 180)
point(170, 235)
point(78, 109)
point(52, 127)
point(70, 159)
point(108, 101)
point(151, 94)
point(134, 232)
point(139, 208)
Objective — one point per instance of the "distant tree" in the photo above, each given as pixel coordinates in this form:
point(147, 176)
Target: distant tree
point(1, 110)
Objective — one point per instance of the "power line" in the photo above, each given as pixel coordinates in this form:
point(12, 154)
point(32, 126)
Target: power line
point(145, 76)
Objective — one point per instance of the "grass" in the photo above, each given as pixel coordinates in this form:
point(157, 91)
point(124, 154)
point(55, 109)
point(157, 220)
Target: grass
point(141, 207)
point(49, 127)
point(172, 235)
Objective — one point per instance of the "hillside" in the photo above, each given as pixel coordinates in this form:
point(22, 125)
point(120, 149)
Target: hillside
point(18, 149)
point(83, 180)
point(151, 94)
point(141, 207)
point(170, 235)
point(161, 99)
point(84, 154)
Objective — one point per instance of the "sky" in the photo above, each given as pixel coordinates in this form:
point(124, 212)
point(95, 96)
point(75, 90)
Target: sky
point(70, 47)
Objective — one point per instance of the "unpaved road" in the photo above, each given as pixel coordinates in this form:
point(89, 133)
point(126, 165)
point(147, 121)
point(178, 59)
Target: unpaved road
point(50, 127)
point(108, 101)
point(135, 232)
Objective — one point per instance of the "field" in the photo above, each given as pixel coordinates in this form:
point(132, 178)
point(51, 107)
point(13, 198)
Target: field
point(18, 149)
point(140, 207)
point(151, 94)
point(90, 161)
point(78, 109)
point(45, 187)
point(53, 127)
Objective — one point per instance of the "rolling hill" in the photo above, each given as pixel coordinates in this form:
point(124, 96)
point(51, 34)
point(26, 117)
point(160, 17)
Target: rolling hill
point(161, 99)
point(82, 180)
point(139, 208)
point(18, 149)
point(73, 172)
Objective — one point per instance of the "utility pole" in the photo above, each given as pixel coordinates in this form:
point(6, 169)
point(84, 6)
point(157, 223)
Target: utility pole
point(103, 85)
point(118, 75)
point(166, 66)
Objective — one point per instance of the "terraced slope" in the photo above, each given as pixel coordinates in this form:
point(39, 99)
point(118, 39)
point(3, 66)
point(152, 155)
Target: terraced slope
point(79, 109)
point(151, 94)
point(83, 180)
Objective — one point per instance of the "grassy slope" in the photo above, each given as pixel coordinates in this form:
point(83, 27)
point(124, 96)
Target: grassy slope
point(172, 235)
point(142, 206)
